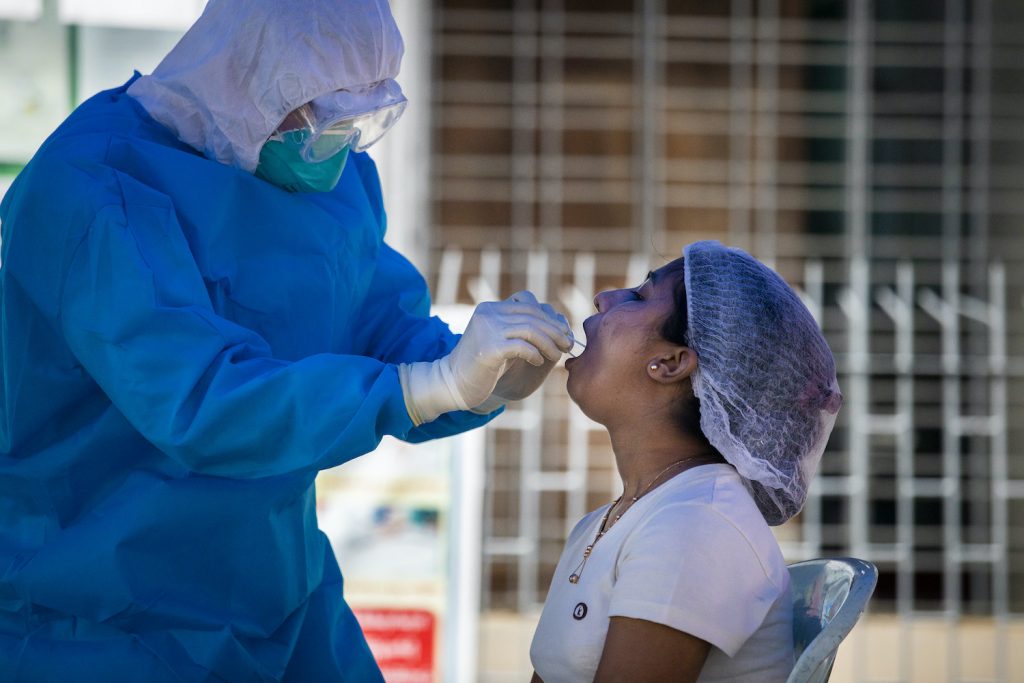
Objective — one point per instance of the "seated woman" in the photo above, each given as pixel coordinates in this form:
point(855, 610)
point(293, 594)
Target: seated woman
point(718, 392)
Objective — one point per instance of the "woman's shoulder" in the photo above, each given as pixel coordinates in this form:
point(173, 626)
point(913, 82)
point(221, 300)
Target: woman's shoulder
point(711, 509)
point(699, 563)
point(715, 488)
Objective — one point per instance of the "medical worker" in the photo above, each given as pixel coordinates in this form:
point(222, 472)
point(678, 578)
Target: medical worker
point(197, 314)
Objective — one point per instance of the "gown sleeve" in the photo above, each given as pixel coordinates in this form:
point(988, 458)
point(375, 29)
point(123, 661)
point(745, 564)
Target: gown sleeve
point(206, 391)
point(395, 326)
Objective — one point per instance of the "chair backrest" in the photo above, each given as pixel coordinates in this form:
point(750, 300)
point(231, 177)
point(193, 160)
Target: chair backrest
point(829, 595)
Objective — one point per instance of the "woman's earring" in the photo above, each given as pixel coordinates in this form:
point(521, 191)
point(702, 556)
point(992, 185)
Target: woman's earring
point(654, 367)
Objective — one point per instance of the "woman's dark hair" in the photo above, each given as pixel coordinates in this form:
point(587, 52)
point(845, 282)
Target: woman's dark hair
point(675, 326)
point(674, 329)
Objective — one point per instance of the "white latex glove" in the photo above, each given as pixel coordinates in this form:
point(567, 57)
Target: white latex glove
point(498, 334)
point(522, 378)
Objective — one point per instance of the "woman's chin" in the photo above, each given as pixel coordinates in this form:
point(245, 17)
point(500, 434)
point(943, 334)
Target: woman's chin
point(569, 383)
point(574, 382)
point(591, 399)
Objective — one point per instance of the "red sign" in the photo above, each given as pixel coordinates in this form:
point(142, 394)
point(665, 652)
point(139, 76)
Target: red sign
point(402, 641)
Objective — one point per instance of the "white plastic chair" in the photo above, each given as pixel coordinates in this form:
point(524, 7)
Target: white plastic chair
point(829, 595)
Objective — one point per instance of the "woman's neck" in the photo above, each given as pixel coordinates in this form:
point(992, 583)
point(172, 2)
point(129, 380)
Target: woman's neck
point(644, 453)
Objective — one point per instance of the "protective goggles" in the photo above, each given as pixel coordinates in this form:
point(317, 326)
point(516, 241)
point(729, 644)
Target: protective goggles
point(355, 119)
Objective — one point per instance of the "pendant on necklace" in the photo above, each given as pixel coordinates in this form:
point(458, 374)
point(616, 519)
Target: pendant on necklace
point(575, 578)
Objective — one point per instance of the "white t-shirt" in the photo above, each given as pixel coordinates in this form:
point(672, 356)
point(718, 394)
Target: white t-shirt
point(694, 554)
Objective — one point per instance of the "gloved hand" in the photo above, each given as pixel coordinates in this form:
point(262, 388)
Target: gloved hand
point(498, 334)
point(522, 378)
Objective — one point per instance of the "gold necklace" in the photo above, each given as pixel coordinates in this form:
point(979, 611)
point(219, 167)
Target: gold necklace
point(575, 576)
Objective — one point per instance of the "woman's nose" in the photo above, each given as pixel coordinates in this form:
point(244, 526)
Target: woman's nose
point(605, 300)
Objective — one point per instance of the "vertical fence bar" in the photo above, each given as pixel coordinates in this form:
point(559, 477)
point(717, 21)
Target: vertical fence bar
point(740, 121)
point(858, 308)
point(899, 305)
point(952, 431)
point(999, 472)
point(648, 40)
point(905, 460)
point(531, 443)
point(766, 117)
point(814, 298)
point(980, 136)
point(552, 133)
point(578, 303)
point(486, 288)
point(858, 202)
point(449, 272)
point(524, 131)
point(524, 196)
point(858, 141)
point(952, 216)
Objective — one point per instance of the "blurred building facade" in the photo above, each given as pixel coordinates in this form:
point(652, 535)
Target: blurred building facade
point(872, 153)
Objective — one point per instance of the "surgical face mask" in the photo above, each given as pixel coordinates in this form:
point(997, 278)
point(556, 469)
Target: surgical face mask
point(282, 163)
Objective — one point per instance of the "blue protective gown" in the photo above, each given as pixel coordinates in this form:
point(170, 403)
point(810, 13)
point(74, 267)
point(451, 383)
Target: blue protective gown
point(183, 347)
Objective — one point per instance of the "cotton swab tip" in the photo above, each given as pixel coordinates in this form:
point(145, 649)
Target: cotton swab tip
point(576, 343)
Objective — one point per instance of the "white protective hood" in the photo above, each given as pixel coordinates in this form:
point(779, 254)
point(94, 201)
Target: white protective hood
point(246, 64)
